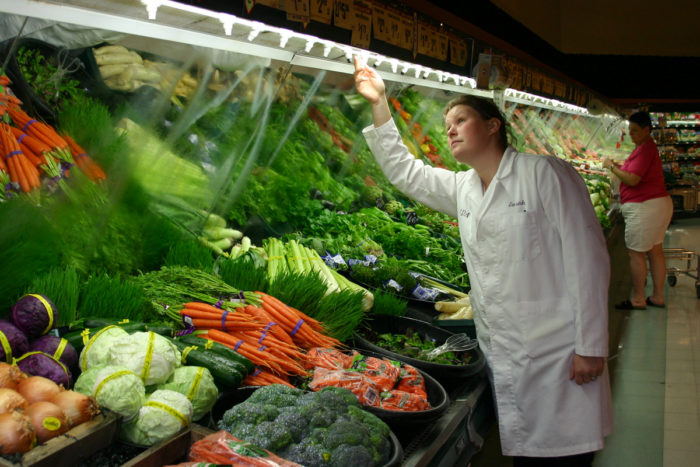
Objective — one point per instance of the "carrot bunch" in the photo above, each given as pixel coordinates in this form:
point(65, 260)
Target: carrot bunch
point(16, 163)
point(41, 131)
point(84, 162)
point(305, 331)
point(262, 377)
point(6, 99)
point(256, 353)
point(250, 335)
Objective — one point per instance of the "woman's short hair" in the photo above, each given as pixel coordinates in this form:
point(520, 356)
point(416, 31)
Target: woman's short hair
point(640, 118)
point(486, 109)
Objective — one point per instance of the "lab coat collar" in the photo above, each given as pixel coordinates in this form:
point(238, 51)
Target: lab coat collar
point(505, 168)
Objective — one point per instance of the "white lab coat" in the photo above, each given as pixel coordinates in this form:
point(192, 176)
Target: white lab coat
point(539, 270)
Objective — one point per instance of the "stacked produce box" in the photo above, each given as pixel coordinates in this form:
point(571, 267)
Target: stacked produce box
point(183, 230)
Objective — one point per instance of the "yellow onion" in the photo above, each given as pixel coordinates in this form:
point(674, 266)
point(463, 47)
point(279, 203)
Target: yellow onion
point(38, 388)
point(10, 375)
point(11, 400)
point(48, 419)
point(78, 407)
point(16, 433)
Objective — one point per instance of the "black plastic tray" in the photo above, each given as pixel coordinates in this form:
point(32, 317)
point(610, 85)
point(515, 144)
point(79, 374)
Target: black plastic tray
point(229, 399)
point(399, 325)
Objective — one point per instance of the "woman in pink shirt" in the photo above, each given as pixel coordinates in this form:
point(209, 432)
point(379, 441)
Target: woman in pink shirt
point(647, 209)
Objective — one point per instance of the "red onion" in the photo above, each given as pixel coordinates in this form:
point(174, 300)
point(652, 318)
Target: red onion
point(48, 419)
point(11, 400)
point(78, 407)
point(16, 433)
point(10, 375)
point(37, 389)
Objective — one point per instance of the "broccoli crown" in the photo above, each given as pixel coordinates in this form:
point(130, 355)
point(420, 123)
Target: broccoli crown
point(336, 398)
point(346, 455)
point(323, 418)
point(294, 422)
point(346, 432)
point(247, 413)
point(324, 428)
point(309, 453)
point(277, 395)
point(272, 436)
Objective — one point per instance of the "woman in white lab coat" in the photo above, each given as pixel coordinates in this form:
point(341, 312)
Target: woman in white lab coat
point(539, 270)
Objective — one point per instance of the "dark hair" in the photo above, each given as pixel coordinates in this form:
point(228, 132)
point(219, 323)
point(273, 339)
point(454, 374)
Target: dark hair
point(486, 110)
point(641, 118)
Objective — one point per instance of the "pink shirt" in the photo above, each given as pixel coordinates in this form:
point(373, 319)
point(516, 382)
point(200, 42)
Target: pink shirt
point(645, 162)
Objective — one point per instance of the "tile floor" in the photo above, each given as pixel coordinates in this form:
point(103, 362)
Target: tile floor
point(656, 381)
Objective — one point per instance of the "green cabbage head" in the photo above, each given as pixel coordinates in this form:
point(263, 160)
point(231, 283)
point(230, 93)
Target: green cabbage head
point(197, 384)
point(147, 354)
point(164, 414)
point(118, 389)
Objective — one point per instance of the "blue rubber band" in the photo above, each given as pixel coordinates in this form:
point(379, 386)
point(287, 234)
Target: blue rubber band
point(238, 344)
point(262, 348)
point(256, 372)
point(27, 125)
point(296, 328)
point(14, 153)
point(262, 337)
point(223, 320)
point(19, 140)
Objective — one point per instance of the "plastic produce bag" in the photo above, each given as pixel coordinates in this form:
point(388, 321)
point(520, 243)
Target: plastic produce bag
point(360, 385)
point(224, 448)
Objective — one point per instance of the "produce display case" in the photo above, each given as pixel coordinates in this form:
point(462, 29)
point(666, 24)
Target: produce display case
point(262, 126)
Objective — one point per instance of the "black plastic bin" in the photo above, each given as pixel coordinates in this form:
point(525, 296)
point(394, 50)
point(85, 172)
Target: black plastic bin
point(399, 325)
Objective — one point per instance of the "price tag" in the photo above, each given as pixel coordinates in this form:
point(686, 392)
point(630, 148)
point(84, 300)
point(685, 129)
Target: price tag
point(322, 11)
point(362, 26)
point(458, 51)
point(298, 11)
point(394, 28)
point(343, 14)
point(442, 42)
point(380, 22)
point(423, 39)
point(407, 32)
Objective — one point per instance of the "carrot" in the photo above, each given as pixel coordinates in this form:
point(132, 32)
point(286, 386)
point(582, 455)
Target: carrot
point(249, 351)
point(3, 166)
point(32, 143)
point(275, 301)
point(85, 162)
point(203, 307)
point(263, 317)
point(200, 323)
point(229, 316)
point(264, 378)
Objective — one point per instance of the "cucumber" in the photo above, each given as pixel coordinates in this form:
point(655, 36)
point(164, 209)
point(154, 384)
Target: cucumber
point(227, 374)
point(220, 349)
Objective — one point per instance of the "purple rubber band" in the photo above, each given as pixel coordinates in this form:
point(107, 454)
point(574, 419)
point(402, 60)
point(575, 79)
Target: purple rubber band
point(21, 138)
point(27, 125)
point(219, 303)
point(262, 348)
point(256, 372)
point(262, 337)
point(223, 320)
point(14, 153)
point(238, 344)
point(296, 328)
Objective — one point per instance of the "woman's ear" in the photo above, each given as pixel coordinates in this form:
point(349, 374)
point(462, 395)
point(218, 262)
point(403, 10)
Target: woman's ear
point(494, 125)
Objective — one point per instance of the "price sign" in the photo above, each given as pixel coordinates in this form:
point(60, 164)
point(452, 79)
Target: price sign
point(362, 27)
point(443, 41)
point(343, 14)
point(380, 22)
point(394, 28)
point(407, 32)
point(298, 10)
point(322, 11)
point(458, 51)
point(423, 39)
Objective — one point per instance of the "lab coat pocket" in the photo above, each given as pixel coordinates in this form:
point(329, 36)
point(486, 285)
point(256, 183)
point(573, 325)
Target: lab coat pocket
point(521, 234)
point(548, 326)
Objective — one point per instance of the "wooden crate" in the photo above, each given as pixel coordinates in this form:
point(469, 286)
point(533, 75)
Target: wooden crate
point(78, 443)
point(171, 451)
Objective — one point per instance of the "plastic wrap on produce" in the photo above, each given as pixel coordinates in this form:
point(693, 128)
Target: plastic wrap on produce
point(69, 36)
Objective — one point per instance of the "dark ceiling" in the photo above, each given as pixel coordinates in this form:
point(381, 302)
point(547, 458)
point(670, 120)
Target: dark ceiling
point(665, 83)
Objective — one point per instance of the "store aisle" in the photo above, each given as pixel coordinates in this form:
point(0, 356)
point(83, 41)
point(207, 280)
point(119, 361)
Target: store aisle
point(657, 375)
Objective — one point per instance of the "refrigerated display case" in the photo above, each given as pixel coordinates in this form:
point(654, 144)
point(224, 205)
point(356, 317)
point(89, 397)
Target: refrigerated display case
point(261, 125)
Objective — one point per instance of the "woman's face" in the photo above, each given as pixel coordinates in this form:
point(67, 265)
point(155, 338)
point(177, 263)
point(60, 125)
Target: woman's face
point(638, 134)
point(467, 133)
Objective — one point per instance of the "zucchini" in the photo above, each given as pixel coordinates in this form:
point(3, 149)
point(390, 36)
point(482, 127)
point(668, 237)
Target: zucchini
point(220, 349)
point(227, 374)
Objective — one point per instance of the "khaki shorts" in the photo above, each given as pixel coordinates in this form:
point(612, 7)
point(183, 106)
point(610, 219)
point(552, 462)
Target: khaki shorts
point(646, 223)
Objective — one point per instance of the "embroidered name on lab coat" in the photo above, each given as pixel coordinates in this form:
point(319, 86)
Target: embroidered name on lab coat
point(516, 203)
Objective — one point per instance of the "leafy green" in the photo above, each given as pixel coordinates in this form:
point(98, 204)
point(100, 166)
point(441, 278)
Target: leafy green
point(47, 75)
